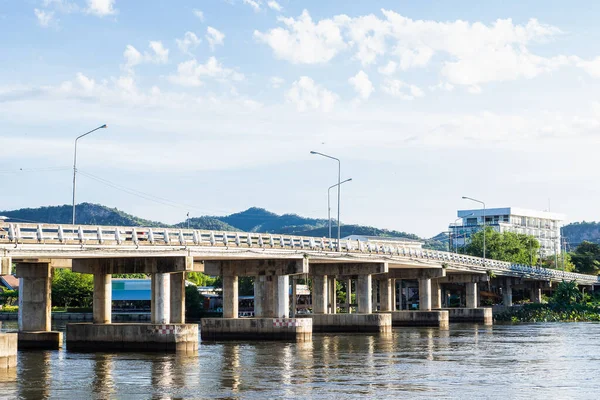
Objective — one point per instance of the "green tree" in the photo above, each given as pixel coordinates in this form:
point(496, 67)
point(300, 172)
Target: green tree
point(200, 279)
point(194, 302)
point(567, 293)
point(72, 289)
point(507, 246)
point(586, 258)
point(563, 259)
point(9, 297)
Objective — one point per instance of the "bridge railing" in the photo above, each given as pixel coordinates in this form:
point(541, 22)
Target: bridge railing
point(86, 235)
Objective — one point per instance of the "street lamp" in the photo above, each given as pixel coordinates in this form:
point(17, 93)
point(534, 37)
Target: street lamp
point(455, 235)
point(75, 164)
point(329, 204)
point(338, 186)
point(482, 203)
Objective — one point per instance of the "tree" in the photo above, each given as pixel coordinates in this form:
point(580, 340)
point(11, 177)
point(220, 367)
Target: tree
point(71, 288)
point(194, 302)
point(586, 258)
point(9, 297)
point(567, 293)
point(563, 259)
point(507, 246)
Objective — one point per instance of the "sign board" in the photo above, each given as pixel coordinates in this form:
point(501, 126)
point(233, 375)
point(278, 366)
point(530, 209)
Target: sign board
point(302, 290)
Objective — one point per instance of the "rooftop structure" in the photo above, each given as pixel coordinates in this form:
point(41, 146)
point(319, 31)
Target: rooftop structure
point(385, 240)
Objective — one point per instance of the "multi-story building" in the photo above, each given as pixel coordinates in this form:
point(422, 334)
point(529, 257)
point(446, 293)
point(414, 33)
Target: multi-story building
point(543, 225)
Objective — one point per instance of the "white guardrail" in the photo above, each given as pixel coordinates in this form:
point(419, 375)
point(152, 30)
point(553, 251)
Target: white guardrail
point(87, 235)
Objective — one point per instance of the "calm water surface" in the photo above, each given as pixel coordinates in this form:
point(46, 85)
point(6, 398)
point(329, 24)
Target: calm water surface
point(545, 361)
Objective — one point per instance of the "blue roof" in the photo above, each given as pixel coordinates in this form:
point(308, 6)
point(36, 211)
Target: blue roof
point(131, 289)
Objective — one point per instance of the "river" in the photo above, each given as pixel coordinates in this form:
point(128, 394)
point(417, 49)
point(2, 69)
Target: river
point(545, 361)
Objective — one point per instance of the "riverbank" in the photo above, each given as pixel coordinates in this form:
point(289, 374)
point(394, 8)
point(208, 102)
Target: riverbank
point(550, 312)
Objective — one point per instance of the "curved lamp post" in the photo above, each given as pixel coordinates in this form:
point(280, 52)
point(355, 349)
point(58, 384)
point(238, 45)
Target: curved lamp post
point(338, 186)
point(329, 203)
point(482, 203)
point(75, 164)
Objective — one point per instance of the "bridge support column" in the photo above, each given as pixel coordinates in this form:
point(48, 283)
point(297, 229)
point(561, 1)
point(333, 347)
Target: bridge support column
point(35, 307)
point(178, 298)
point(294, 298)
point(385, 294)
point(394, 299)
point(161, 295)
point(507, 293)
point(374, 287)
point(471, 294)
point(363, 294)
point(536, 292)
point(230, 296)
point(319, 297)
point(400, 295)
point(102, 301)
point(332, 295)
point(436, 294)
point(348, 295)
point(425, 294)
point(282, 296)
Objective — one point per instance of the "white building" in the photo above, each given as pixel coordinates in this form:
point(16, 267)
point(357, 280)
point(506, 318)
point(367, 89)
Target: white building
point(543, 225)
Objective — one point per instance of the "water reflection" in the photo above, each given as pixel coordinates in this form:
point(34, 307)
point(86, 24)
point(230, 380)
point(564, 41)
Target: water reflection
point(34, 374)
point(103, 383)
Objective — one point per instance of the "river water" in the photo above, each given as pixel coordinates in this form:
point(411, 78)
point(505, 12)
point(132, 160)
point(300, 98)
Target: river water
point(542, 361)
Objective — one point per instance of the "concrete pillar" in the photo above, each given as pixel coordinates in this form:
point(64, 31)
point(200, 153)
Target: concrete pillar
point(363, 294)
point(281, 296)
point(471, 294)
point(374, 294)
point(436, 294)
point(161, 292)
point(294, 298)
point(425, 294)
point(102, 300)
point(385, 294)
point(536, 292)
point(348, 295)
point(263, 296)
point(400, 294)
point(34, 296)
point(230, 296)
point(394, 299)
point(319, 295)
point(332, 295)
point(259, 288)
point(507, 293)
point(178, 298)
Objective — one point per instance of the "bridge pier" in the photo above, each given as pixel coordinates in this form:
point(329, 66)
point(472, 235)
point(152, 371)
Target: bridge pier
point(472, 312)
point(324, 319)
point(271, 302)
point(536, 292)
point(167, 330)
point(35, 307)
point(507, 292)
point(425, 316)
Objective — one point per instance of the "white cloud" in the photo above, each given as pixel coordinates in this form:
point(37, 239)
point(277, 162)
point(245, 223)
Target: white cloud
point(199, 14)
point(274, 5)
point(101, 8)
point(189, 41)
point(402, 90)
point(306, 94)
point(442, 86)
point(192, 74)
point(368, 34)
point(63, 6)
point(214, 37)
point(591, 67)
point(304, 42)
point(44, 17)
point(158, 55)
point(389, 68)
point(255, 4)
point(362, 85)
point(276, 82)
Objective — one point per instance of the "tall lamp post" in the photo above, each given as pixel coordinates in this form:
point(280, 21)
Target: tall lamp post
point(482, 203)
point(75, 164)
point(329, 203)
point(338, 186)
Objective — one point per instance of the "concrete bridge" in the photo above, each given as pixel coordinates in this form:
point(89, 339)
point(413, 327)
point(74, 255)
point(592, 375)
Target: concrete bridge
point(167, 253)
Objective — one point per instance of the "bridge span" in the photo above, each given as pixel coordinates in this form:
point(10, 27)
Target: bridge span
point(167, 254)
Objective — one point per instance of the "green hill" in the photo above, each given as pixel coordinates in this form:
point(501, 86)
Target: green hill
point(577, 232)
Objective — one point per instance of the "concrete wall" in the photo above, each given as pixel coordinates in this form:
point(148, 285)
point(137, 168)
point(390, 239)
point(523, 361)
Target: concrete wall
point(290, 329)
point(132, 337)
point(438, 318)
point(482, 315)
point(381, 322)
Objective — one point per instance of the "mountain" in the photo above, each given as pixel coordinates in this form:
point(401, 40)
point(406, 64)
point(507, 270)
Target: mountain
point(577, 232)
point(85, 213)
point(251, 220)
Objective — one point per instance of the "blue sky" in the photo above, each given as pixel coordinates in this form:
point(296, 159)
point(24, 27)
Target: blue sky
point(214, 106)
